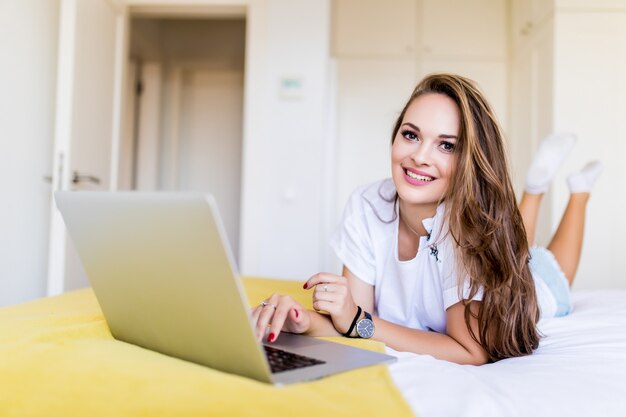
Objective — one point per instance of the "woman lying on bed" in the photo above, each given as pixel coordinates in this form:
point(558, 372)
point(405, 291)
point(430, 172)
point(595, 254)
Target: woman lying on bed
point(437, 259)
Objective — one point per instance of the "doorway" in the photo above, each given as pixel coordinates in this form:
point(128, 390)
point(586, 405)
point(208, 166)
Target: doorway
point(186, 110)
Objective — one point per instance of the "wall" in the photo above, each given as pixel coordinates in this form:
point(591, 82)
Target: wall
point(28, 42)
point(590, 99)
point(568, 75)
point(285, 138)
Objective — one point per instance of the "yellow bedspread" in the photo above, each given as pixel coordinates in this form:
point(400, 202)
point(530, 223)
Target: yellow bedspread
point(57, 358)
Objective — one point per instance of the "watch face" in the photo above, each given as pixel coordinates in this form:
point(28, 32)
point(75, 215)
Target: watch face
point(365, 328)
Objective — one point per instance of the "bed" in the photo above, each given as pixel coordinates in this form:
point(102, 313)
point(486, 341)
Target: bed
point(578, 370)
point(57, 358)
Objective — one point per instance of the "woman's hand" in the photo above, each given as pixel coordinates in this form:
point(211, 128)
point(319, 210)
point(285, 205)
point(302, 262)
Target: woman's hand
point(280, 312)
point(332, 294)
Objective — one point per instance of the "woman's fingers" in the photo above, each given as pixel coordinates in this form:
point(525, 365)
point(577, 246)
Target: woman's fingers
point(279, 312)
point(267, 309)
point(337, 293)
point(278, 321)
point(322, 277)
point(332, 295)
point(326, 296)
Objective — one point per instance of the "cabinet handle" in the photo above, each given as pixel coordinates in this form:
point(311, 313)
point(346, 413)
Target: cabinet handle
point(528, 27)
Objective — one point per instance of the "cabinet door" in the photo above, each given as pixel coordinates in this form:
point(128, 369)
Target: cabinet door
point(540, 10)
point(471, 28)
point(521, 22)
point(374, 28)
point(527, 16)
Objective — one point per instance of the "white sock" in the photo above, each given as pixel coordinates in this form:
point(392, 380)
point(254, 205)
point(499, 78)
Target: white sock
point(582, 181)
point(549, 157)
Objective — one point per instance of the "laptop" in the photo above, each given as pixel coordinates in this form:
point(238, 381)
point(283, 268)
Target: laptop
point(166, 280)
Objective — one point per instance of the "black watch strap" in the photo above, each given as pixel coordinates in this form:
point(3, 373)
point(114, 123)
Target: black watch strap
point(358, 314)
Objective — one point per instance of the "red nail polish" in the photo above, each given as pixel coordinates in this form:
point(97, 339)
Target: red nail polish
point(271, 337)
point(304, 286)
point(296, 313)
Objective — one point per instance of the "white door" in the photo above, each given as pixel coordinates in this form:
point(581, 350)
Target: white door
point(88, 107)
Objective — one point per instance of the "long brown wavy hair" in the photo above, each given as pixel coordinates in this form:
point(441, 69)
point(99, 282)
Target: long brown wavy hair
point(486, 224)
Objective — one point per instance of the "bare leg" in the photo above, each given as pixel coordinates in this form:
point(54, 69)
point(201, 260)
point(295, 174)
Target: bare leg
point(567, 243)
point(529, 207)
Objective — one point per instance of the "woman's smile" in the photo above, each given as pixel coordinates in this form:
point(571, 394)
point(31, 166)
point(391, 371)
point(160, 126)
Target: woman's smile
point(416, 177)
point(422, 154)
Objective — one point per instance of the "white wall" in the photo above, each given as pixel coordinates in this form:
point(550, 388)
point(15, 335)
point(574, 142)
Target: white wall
point(590, 99)
point(284, 138)
point(28, 47)
point(568, 72)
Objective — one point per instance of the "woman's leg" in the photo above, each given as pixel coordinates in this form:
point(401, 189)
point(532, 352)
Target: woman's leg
point(529, 207)
point(567, 242)
point(549, 156)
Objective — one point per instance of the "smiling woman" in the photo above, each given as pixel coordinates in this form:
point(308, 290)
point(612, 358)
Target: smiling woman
point(437, 259)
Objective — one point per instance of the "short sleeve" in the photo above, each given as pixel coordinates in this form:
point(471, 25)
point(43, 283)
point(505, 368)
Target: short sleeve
point(352, 242)
point(451, 278)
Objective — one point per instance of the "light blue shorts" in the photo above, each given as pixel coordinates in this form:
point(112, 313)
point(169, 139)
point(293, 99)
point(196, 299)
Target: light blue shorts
point(543, 264)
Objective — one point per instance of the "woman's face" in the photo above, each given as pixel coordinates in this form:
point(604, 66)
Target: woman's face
point(422, 155)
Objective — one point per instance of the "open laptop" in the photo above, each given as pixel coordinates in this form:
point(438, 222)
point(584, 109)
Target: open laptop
point(165, 278)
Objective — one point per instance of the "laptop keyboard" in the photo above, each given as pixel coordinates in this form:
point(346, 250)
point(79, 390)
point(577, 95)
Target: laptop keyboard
point(281, 360)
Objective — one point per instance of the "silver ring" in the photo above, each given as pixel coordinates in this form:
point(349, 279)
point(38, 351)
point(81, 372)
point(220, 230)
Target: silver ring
point(265, 304)
point(325, 287)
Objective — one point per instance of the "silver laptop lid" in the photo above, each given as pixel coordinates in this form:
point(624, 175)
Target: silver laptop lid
point(155, 261)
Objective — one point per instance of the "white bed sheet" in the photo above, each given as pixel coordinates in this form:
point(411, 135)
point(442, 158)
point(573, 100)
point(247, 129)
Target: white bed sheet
point(579, 369)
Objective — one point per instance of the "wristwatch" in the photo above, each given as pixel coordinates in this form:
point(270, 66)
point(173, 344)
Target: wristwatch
point(365, 327)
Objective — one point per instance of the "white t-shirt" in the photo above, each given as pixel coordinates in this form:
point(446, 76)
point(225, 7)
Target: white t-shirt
point(414, 293)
